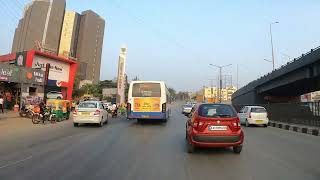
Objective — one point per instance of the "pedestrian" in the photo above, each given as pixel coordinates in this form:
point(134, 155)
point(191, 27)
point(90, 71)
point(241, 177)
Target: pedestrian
point(1, 103)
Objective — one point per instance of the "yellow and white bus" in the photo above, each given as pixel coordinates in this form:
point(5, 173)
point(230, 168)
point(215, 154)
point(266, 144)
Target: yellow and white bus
point(148, 100)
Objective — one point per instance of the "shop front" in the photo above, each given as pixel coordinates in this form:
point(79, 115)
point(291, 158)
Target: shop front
point(61, 70)
point(21, 84)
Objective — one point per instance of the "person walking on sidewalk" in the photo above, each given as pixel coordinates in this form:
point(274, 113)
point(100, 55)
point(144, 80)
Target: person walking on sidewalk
point(1, 103)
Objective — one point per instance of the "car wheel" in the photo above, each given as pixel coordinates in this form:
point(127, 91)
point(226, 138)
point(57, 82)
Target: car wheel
point(101, 122)
point(190, 147)
point(265, 125)
point(247, 123)
point(76, 124)
point(237, 149)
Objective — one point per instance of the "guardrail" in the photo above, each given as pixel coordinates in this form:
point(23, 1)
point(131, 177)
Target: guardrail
point(304, 113)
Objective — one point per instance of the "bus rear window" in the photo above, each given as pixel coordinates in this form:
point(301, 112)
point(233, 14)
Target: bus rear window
point(146, 90)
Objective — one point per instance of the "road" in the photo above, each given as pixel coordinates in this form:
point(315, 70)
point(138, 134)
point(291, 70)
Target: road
point(124, 150)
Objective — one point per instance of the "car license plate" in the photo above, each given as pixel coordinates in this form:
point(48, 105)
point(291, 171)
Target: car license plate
point(85, 113)
point(218, 128)
point(259, 121)
point(145, 116)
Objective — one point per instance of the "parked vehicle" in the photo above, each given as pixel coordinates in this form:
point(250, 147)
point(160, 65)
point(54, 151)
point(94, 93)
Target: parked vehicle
point(61, 108)
point(114, 113)
point(256, 115)
point(90, 112)
point(54, 95)
point(26, 112)
point(47, 116)
point(214, 125)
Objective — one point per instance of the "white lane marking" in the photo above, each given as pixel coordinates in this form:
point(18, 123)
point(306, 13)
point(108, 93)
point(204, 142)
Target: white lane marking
point(16, 162)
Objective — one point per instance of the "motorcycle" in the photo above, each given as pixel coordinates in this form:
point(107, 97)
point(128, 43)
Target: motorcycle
point(25, 112)
point(47, 116)
point(114, 113)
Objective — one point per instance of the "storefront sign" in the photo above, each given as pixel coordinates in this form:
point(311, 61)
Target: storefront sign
point(59, 70)
point(32, 76)
point(9, 73)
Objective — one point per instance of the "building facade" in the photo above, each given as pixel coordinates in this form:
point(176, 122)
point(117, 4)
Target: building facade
point(90, 42)
point(213, 92)
point(69, 34)
point(47, 27)
point(40, 25)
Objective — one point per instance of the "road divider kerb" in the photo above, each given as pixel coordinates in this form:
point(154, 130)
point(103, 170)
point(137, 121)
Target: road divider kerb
point(315, 131)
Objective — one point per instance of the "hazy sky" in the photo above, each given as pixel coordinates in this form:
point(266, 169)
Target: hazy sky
point(175, 40)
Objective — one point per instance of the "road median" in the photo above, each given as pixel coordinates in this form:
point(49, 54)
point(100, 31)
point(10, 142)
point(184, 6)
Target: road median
point(312, 130)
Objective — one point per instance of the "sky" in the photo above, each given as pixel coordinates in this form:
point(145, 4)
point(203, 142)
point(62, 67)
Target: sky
point(175, 41)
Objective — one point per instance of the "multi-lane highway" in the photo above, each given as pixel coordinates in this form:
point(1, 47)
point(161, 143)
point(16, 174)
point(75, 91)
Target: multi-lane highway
point(126, 150)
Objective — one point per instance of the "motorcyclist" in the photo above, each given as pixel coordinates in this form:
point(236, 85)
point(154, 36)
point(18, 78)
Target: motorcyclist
point(42, 108)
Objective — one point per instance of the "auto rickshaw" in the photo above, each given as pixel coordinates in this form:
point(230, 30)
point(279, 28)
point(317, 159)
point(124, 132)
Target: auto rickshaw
point(61, 108)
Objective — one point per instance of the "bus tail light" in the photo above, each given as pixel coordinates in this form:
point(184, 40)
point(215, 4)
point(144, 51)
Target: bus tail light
point(164, 107)
point(128, 107)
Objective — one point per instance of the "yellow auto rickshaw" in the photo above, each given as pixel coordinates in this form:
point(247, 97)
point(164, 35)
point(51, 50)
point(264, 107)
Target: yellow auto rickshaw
point(61, 108)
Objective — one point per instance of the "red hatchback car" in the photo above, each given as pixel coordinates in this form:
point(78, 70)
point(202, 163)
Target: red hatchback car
point(214, 125)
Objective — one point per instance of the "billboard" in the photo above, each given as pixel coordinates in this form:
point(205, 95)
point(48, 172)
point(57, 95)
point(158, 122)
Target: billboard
point(59, 70)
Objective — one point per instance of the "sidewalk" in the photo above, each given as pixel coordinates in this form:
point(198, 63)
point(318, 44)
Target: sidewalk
point(312, 130)
point(8, 114)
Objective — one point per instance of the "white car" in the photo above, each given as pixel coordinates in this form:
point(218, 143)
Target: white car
point(256, 115)
point(54, 95)
point(90, 112)
point(186, 108)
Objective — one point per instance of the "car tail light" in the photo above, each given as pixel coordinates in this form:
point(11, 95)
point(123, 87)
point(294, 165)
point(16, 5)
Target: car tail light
point(235, 125)
point(97, 113)
point(128, 107)
point(75, 112)
point(195, 124)
point(250, 115)
point(164, 107)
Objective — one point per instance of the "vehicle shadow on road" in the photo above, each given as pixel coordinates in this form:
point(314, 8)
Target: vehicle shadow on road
point(149, 122)
point(213, 151)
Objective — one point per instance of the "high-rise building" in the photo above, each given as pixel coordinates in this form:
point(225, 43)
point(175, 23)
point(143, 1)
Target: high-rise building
point(47, 26)
point(90, 42)
point(42, 23)
point(69, 34)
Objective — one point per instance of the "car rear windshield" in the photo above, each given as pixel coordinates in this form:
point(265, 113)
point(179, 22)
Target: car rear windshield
point(88, 105)
point(146, 90)
point(258, 110)
point(216, 110)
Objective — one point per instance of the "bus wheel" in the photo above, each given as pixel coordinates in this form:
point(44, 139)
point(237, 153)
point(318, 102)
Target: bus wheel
point(165, 120)
point(139, 121)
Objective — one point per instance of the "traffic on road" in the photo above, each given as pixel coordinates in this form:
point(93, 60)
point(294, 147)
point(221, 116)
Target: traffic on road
point(159, 90)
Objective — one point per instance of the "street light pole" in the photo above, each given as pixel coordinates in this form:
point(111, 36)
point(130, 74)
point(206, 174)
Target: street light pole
point(220, 79)
point(272, 51)
point(237, 76)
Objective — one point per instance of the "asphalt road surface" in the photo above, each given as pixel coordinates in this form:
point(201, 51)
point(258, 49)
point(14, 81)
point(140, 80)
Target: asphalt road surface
point(125, 150)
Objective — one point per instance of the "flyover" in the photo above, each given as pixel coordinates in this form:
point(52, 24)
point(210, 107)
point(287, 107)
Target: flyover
point(285, 84)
